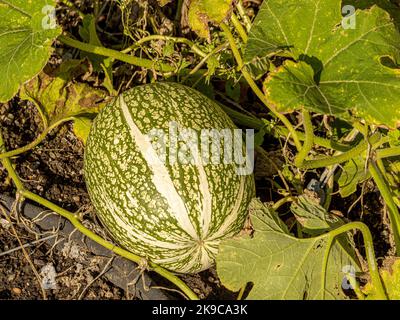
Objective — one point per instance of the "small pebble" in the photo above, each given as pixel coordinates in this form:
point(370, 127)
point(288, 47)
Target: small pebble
point(16, 291)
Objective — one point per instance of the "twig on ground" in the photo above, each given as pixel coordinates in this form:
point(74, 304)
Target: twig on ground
point(105, 269)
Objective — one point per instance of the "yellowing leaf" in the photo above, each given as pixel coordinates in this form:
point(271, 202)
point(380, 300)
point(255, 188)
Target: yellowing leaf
point(391, 281)
point(82, 127)
point(202, 12)
point(59, 96)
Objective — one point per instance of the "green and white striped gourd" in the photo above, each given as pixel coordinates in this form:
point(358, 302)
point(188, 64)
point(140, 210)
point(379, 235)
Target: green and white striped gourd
point(174, 215)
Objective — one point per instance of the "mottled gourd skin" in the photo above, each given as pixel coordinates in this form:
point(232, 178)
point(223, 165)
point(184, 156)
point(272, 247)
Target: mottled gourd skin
point(173, 215)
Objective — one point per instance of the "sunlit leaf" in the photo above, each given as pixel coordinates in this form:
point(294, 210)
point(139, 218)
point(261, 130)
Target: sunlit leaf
point(82, 127)
point(281, 266)
point(27, 31)
point(203, 12)
point(340, 65)
point(391, 280)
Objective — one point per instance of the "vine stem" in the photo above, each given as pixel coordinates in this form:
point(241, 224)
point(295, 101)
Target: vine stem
point(343, 157)
point(238, 26)
point(388, 152)
point(394, 215)
point(88, 233)
point(280, 131)
point(140, 62)
point(203, 61)
point(282, 201)
point(308, 141)
point(255, 88)
point(243, 15)
point(189, 43)
point(369, 250)
point(35, 142)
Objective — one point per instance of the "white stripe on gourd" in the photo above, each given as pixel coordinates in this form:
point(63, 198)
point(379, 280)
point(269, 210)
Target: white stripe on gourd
point(161, 179)
point(206, 197)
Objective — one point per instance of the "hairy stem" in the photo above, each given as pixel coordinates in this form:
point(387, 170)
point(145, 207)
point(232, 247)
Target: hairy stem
point(346, 156)
point(388, 152)
point(243, 15)
point(280, 131)
point(239, 28)
point(88, 233)
point(189, 43)
point(255, 88)
point(140, 62)
point(369, 250)
point(384, 189)
point(308, 141)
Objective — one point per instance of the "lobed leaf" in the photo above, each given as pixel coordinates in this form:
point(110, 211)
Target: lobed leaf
point(27, 31)
point(337, 69)
point(281, 266)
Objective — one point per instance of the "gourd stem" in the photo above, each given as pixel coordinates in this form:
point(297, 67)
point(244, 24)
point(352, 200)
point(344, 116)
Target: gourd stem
point(6, 162)
point(346, 156)
point(239, 28)
point(189, 43)
point(140, 62)
point(394, 215)
point(88, 233)
point(254, 86)
point(308, 141)
point(326, 143)
point(369, 251)
point(283, 201)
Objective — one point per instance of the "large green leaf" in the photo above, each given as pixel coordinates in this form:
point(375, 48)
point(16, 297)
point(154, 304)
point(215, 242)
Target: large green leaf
point(340, 71)
point(27, 31)
point(281, 266)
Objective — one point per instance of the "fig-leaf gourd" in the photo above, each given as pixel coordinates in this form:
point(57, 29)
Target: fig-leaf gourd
point(172, 212)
